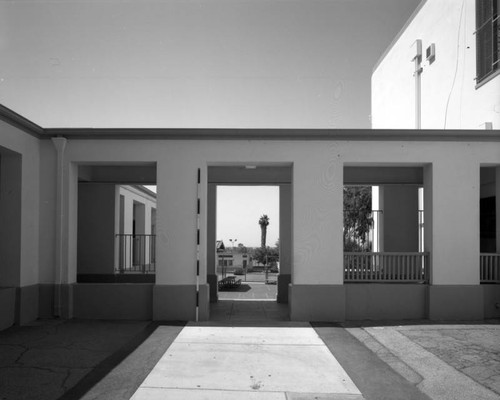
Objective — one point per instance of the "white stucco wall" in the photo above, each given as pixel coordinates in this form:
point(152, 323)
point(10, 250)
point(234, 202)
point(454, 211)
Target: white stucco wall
point(316, 206)
point(317, 197)
point(450, 99)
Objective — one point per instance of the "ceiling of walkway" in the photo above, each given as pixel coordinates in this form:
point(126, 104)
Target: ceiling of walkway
point(194, 63)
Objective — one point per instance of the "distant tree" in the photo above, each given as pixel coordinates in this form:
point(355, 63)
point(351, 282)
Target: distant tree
point(357, 217)
point(263, 222)
point(267, 256)
point(260, 255)
point(242, 248)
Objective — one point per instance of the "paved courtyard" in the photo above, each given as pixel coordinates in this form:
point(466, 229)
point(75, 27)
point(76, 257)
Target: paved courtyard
point(250, 349)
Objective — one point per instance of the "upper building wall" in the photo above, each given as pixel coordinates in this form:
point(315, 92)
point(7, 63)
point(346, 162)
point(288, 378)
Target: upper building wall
point(450, 98)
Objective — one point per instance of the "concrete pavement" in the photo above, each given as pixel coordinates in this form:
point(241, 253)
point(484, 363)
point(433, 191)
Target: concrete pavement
point(444, 361)
point(233, 362)
point(233, 355)
point(48, 358)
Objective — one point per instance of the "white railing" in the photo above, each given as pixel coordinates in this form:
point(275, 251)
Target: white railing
point(489, 268)
point(386, 267)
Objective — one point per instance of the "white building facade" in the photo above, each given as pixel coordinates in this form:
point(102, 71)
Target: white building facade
point(442, 71)
point(43, 173)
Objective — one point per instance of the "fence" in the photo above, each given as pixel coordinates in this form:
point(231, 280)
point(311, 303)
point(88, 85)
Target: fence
point(386, 267)
point(136, 253)
point(489, 267)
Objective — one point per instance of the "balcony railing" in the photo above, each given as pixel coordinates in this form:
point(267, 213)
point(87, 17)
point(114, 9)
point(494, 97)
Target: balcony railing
point(489, 267)
point(386, 267)
point(136, 253)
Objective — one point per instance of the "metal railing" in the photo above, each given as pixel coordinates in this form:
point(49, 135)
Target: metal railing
point(136, 253)
point(489, 268)
point(386, 267)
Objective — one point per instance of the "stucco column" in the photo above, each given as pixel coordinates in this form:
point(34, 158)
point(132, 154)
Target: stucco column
point(497, 205)
point(317, 291)
point(400, 215)
point(117, 227)
point(211, 240)
point(285, 235)
point(174, 295)
point(63, 298)
point(452, 227)
point(96, 228)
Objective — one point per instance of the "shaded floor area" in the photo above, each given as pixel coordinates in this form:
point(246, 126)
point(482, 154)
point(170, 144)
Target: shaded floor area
point(54, 355)
point(259, 311)
point(249, 303)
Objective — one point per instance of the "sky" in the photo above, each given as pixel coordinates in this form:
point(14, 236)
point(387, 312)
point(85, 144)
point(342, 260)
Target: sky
point(194, 63)
point(239, 209)
point(197, 64)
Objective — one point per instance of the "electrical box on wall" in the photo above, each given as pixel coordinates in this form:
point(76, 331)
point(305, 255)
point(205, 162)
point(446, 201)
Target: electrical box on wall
point(430, 53)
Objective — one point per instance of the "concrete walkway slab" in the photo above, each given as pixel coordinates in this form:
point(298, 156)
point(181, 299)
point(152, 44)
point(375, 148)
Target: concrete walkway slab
point(266, 360)
point(439, 380)
point(249, 335)
point(189, 394)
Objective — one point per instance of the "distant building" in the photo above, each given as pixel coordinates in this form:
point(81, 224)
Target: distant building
point(232, 258)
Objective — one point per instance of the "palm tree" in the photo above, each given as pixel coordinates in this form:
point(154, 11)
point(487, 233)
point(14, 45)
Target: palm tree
point(263, 222)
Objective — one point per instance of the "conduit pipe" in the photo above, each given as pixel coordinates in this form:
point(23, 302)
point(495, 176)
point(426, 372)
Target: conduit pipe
point(417, 59)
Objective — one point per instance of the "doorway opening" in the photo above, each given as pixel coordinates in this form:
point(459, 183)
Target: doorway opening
point(249, 240)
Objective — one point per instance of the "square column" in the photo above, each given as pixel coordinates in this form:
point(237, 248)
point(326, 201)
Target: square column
point(211, 240)
point(285, 235)
point(451, 191)
point(174, 295)
point(317, 291)
point(96, 228)
point(399, 204)
point(497, 206)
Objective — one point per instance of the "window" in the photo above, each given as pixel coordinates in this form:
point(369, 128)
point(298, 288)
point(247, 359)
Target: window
point(487, 38)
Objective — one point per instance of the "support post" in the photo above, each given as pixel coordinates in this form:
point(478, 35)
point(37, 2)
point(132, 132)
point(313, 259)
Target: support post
point(60, 145)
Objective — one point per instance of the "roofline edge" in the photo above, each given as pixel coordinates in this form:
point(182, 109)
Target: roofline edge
point(398, 35)
point(12, 118)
